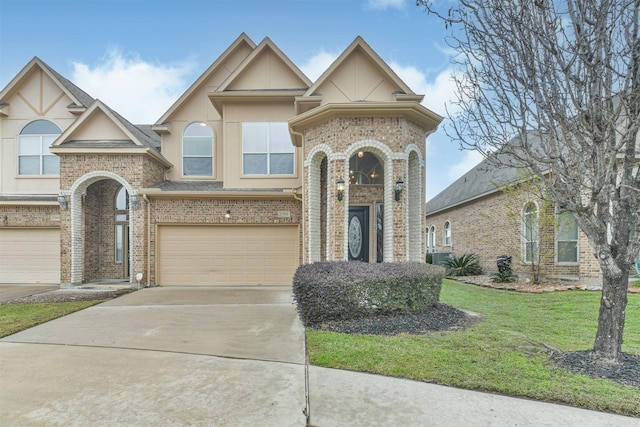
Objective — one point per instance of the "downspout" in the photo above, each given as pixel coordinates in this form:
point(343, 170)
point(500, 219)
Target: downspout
point(299, 135)
point(146, 199)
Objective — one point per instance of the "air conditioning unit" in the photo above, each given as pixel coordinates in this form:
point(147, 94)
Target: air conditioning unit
point(439, 258)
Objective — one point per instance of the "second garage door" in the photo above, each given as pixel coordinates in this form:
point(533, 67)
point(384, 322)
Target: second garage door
point(227, 255)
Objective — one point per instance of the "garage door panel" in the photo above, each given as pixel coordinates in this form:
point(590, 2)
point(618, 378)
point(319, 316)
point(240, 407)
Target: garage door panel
point(227, 255)
point(30, 255)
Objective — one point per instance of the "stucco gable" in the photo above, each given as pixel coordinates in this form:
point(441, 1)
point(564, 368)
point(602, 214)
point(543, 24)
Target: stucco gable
point(99, 124)
point(358, 74)
point(213, 76)
point(266, 68)
point(40, 88)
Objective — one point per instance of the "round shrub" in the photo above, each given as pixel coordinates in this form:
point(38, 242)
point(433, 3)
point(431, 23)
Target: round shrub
point(341, 290)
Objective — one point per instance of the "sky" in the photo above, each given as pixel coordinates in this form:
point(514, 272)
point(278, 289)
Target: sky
point(139, 56)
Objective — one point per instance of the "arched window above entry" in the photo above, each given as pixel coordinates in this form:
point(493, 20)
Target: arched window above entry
point(197, 150)
point(34, 156)
point(365, 169)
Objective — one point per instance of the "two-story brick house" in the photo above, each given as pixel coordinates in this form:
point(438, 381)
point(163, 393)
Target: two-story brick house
point(252, 171)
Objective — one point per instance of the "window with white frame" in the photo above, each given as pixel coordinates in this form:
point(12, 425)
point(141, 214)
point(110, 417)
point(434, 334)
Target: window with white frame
point(34, 155)
point(197, 150)
point(433, 238)
point(267, 149)
point(530, 233)
point(121, 218)
point(447, 233)
point(566, 238)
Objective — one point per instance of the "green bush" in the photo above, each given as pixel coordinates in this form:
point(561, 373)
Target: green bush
point(341, 290)
point(463, 265)
point(504, 276)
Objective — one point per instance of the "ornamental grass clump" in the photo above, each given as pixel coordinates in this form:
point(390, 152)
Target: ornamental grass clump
point(341, 290)
point(463, 265)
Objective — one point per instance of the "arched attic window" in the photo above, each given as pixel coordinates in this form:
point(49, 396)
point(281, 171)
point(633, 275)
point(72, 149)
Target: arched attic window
point(197, 150)
point(34, 155)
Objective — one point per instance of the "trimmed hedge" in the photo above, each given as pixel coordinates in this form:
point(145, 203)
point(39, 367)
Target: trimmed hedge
point(342, 290)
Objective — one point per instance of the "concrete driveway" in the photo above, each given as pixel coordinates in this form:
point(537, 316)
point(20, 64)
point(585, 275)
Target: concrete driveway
point(161, 357)
point(223, 357)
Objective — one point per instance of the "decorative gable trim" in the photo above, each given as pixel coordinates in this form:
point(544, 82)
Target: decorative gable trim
point(77, 95)
point(162, 125)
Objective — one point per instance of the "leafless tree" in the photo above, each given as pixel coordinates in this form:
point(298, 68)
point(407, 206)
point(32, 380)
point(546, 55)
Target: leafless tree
point(555, 87)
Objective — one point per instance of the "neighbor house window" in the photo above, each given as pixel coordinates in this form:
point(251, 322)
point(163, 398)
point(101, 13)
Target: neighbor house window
point(567, 238)
point(447, 233)
point(530, 233)
point(197, 150)
point(433, 238)
point(266, 149)
point(34, 156)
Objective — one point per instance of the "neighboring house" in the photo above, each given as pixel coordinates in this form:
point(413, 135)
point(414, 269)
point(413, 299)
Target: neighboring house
point(494, 211)
point(254, 170)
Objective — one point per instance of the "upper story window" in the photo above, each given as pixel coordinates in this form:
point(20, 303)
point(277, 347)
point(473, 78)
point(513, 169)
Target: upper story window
point(267, 149)
point(530, 233)
point(197, 150)
point(34, 156)
point(447, 233)
point(566, 238)
point(365, 169)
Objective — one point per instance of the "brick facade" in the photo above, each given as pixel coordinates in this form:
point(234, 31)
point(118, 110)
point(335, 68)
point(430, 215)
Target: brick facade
point(492, 226)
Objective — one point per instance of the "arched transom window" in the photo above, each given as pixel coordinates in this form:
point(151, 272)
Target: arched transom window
point(365, 169)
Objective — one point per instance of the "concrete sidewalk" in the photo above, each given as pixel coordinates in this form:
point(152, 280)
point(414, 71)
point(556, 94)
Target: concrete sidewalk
point(223, 357)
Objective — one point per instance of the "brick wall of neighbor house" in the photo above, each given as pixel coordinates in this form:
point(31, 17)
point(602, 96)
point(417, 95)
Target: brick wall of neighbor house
point(491, 226)
point(204, 211)
point(395, 134)
point(13, 216)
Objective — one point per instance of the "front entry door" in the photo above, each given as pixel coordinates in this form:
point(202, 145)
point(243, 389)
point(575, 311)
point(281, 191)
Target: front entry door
point(358, 237)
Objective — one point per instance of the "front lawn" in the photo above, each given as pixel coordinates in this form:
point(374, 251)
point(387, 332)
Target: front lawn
point(18, 317)
point(507, 353)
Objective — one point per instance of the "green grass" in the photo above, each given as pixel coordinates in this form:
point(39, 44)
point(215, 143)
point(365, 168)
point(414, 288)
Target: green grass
point(18, 317)
point(506, 353)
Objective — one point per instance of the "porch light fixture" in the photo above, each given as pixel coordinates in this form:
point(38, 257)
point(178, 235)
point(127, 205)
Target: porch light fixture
point(399, 188)
point(135, 203)
point(64, 205)
point(340, 188)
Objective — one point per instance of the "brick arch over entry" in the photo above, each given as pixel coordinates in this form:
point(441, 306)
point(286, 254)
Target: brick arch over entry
point(75, 207)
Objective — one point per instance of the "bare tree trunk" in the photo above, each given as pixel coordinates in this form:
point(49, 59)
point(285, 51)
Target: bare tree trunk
point(613, 305)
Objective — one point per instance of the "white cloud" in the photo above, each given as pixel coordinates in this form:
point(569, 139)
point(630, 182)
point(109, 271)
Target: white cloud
point(470, 158)
point(385, 4)
point(139, 90)
point(438, 92)
point(318, 63)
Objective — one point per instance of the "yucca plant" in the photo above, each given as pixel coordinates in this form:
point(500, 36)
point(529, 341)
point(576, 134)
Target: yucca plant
point(504, 276)
point(463, 265)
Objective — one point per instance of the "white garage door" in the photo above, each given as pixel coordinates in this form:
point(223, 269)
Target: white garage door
point(30, 255)
point(227, 255)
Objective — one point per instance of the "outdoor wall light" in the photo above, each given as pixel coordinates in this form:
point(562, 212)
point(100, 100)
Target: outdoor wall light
point(399, 188)
point(227, 214)
point(340, 188)
point(63, 202)
point(135, 203)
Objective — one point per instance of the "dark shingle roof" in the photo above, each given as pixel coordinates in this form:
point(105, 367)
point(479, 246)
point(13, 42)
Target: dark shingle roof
point(490, 175)
point(115, 143)
point(155, 138)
